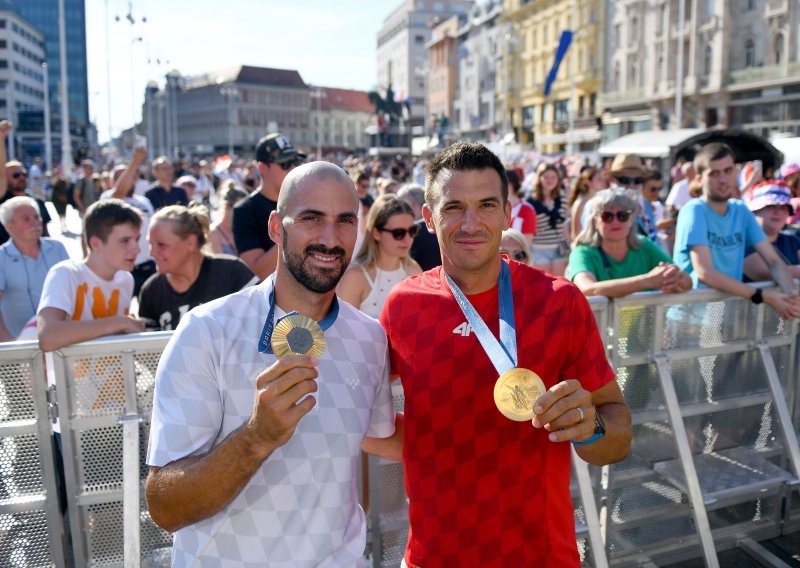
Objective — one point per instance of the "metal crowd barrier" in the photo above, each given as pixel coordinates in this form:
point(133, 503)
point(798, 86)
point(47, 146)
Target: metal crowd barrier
point(710, 379)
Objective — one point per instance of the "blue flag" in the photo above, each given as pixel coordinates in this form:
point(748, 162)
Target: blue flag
point(563, 46)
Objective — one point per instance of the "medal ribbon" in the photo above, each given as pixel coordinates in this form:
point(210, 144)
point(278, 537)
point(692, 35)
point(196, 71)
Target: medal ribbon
point(265, 343)
point(503, 353)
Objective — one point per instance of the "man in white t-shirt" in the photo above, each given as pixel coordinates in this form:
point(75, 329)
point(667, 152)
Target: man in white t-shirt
point(253, 459)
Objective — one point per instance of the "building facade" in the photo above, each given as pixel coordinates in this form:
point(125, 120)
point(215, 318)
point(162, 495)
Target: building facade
point(730, 62)
point(478, 64)
point(566, 118)
point(228, 110)
point(43, 15)
point(22, 83)
point(340, 119)
point(402, 57)
point(443, 74)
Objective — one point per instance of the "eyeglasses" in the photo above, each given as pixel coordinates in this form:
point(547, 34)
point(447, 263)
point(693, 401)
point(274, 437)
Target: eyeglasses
point(17, 175)
point(629, 181)
point(608, 216)
point(400, 234)
point(519, 256)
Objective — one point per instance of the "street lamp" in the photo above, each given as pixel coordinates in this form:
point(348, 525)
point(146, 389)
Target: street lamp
point(319, 94)
point(508, 41)
point(48, 143)
point(230, 94)
point(66, 140)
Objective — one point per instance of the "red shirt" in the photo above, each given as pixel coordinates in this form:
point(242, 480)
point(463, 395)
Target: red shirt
point(523, 218)
point(485, 490)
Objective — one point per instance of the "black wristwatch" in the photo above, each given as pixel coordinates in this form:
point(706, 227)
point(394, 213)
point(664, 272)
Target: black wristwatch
point(599, 431)
point(757, 296)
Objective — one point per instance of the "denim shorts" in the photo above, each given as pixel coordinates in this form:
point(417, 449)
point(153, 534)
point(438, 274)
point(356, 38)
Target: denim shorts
point(543, 254)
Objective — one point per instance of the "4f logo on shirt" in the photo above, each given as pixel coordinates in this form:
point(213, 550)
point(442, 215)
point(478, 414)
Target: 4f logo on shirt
point(463, 330)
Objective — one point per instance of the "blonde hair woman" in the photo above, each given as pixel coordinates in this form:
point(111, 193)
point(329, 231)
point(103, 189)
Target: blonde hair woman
point(221, 236)
point(187, 275)
point(383, 261)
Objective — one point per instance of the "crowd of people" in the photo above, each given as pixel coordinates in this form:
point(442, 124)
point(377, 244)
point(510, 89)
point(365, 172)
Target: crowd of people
point(253, 457)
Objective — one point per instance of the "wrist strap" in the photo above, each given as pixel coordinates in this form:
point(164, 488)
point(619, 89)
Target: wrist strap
point(591, 440)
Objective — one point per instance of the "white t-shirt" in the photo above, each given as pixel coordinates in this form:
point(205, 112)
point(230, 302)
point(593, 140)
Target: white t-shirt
point(300, 508)
point(678, 194)
point(72, 287)
point(143, 206)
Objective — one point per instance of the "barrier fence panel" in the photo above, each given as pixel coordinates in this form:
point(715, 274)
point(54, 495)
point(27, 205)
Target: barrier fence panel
point(105, 388)
point(30, 520)
point(709, 456)
point(718, 368)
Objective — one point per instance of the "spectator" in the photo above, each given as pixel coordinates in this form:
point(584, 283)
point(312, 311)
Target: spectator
point(679, 192)
point(665, 226)
point(790, 174)
point(515, 245)
point(187, 276)
point(383, 260)
point(275, 157)
point(772, 206)
point(90, 298)
point(550, 245)
point(221, 237)
point(189, 185)
point(36, 179)
point(523, 215)
point(124, 188)
point(611, 259)
point(590, 181)
point(414, 196)
point(627, 171)
point(24, 262)
point(84, 192)
point(14, 182)
point(163, 192)
point(713, 232)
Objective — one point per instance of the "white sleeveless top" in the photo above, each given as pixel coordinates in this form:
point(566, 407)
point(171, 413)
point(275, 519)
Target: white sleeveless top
point(379, 289)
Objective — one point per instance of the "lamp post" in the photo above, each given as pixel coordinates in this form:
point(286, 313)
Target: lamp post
point(66, 140)
point(508, 40)
point(230, 94)
point(318, 93)
point(48, 135)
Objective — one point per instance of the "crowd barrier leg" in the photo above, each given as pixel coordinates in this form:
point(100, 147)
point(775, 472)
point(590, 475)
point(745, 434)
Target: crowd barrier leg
point(581, 468)
point(130, 466)
point(687, 461)
point(784, 416)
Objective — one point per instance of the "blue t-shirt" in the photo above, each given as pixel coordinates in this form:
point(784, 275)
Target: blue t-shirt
point(726, 236)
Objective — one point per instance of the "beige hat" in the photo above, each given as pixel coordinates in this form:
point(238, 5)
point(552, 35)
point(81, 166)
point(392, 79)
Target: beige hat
point(626, 162)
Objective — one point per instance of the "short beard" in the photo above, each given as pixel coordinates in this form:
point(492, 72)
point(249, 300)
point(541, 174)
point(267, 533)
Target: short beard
point(320, 282)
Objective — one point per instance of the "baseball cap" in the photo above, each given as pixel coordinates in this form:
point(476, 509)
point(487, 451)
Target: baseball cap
point(186, 179)
point(276, 148)
point(771, 193)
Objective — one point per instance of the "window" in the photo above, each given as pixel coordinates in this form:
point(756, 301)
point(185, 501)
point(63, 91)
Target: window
point(633, 31)
point(751, 4)
point(419, 40)
point(710, 7)
point(528, 117)
point(707, 60)
point(3, 63)
point(660, 17)
point(749, 54)
point(617, 35)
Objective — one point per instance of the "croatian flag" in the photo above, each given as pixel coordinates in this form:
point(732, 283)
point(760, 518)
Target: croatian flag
point(563, 46)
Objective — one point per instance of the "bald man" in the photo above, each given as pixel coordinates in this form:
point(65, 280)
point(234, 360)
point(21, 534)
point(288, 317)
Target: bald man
point(253, 458)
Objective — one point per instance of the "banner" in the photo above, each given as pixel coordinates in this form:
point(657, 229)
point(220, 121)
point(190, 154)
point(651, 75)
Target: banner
point(563, 46)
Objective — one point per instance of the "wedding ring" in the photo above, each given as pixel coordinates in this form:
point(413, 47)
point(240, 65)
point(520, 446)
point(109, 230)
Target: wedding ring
point(580, 411)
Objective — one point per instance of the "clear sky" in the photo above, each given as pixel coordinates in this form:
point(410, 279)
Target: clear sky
point(330, 42)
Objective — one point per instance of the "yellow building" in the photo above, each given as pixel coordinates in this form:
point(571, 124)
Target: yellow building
point(535, 28)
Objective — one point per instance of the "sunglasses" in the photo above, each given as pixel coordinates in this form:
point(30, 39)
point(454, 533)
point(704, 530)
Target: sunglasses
point(400, 234)
point(290, 164)
point(17, 175)
point(608, 216)
point(629, 181)
point(519, 256)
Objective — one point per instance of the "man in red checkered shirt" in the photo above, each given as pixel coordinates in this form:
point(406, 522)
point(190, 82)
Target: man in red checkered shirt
point(485, 490)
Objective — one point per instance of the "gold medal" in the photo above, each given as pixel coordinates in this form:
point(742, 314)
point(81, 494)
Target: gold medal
point(298, 334)
point(515, 393)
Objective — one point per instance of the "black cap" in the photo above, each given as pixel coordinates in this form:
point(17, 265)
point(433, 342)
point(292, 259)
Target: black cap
point(276, 148)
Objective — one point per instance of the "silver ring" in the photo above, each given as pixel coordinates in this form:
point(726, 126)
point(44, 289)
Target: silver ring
point(580, 411)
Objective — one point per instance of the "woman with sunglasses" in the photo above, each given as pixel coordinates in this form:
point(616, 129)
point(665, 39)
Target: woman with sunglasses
point(612, 259)
point(515, 245)
point(383, 261)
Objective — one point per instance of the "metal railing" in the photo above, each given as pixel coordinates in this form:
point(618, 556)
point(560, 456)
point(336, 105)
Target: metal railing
point(710, 379)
